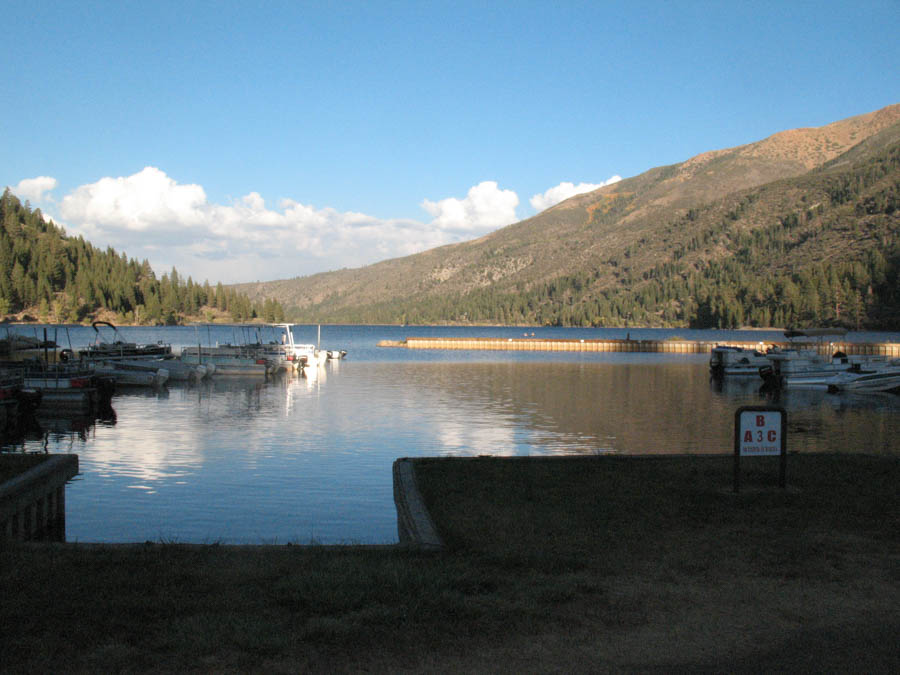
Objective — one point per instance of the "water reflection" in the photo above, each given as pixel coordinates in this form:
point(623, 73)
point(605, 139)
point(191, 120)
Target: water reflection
point(578, 407)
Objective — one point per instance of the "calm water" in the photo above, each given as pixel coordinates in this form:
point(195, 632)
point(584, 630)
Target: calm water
point(300, 460)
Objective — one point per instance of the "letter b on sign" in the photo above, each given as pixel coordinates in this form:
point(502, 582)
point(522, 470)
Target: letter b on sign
point(760, 432)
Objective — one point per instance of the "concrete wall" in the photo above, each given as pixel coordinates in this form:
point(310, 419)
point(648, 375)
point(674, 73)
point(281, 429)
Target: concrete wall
point(33, 504)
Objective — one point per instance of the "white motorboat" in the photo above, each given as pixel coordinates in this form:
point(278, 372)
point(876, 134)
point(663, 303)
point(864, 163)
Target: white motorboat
point(304, 355)
point(873, 377)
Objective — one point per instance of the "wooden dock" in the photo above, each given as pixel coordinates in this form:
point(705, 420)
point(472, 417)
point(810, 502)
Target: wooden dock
point(890, 349)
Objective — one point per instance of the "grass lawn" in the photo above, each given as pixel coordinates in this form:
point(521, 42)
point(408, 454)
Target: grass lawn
point(552, 565)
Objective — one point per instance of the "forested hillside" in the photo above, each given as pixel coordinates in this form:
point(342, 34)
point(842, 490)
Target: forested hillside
point(48, 276)
point(830, 255)
point(799, 229)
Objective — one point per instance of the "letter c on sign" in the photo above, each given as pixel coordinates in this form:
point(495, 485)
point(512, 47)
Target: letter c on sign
point(772, 435)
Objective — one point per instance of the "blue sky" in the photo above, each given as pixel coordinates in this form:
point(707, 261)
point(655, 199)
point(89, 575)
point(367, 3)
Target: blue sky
point(243, 141)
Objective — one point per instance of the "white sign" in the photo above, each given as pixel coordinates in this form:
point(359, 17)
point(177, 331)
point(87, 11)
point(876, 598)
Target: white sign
point(759, 432)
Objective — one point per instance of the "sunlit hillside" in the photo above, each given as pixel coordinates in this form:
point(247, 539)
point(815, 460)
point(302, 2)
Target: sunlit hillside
point(799, 228)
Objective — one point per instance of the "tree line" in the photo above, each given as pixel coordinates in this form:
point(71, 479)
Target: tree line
point(67, 280)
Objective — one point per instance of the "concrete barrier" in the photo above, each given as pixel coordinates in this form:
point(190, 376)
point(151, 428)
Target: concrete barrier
point(33, 504)
point(414, 524)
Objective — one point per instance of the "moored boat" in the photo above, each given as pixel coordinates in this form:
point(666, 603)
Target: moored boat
point(178, 370)
point(874, 377)
point(67, 387)
point(275, 355)
point(227, 361)
point(130, 374)
point(725, 360)
point(808, 368)
point(119, 349)
point(297, 354)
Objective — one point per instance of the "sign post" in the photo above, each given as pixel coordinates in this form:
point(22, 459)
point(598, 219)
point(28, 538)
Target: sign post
point(760, 431)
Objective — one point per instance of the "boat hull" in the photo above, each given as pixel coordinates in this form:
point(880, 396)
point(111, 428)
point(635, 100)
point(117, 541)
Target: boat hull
point(229, 366)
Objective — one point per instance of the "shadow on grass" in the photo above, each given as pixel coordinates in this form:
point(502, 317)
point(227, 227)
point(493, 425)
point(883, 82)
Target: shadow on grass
point(592, 563)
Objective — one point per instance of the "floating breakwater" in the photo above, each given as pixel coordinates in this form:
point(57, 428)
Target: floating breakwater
point(890, 349)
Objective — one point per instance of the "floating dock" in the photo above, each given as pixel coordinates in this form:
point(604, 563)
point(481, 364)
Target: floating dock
point(890, 349)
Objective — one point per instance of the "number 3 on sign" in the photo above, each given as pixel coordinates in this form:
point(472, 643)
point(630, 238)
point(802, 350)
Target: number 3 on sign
point(760, 432)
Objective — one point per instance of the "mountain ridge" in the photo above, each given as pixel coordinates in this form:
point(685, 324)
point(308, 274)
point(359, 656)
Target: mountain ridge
point(591, 232)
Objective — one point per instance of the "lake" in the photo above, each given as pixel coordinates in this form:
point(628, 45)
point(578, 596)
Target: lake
point(309, 460)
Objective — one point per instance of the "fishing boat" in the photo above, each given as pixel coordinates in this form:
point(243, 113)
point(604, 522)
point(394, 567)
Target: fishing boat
point(298, 355)
point(305, 355)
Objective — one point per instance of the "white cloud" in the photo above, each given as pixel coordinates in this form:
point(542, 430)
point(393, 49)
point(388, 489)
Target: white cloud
point(148, 200)
point(149, 215)
point(486, 207)
point(33, 189)
point(564, 190)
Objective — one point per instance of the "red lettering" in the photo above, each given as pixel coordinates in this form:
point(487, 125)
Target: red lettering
point(760, 420)
point(748, 436)
point(772, 435)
